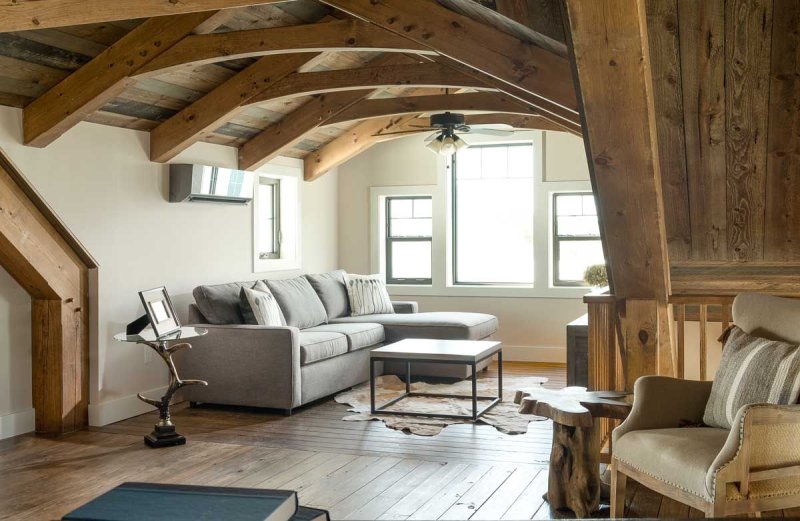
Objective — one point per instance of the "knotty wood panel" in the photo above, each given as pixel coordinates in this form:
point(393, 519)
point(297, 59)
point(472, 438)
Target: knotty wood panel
point(748, 26)
point(782, 213)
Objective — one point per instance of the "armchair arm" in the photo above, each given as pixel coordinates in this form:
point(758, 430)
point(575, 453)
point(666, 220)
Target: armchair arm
point(660, 402)
point(246, 365)
point(760, 449)
point(405, 306)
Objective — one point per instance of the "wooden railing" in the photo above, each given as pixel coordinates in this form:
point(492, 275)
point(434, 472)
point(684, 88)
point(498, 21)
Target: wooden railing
point(702, 309)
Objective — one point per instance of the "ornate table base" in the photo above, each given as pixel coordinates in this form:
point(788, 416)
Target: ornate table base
point(164, 436)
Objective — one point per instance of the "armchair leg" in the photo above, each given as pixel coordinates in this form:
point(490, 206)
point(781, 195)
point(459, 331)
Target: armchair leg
point(618, 482)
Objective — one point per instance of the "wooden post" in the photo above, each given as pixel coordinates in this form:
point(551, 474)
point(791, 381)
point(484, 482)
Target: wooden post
point(609, 47)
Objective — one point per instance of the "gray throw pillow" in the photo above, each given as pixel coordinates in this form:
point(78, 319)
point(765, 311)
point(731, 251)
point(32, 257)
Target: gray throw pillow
point(262, 306)
point(752, 370)
point(368, 295)
point(332, 292)
point(219, 303)
point(299, 302)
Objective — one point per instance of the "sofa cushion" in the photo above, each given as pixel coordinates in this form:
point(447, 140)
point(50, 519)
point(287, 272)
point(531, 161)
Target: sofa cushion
point(219, 303)
point(681, 457)
point(259, 307)
point(300, 304)
point(368, 295)
point(319, 345)
point(359, 335)
point(443, 325)
point(332, 292)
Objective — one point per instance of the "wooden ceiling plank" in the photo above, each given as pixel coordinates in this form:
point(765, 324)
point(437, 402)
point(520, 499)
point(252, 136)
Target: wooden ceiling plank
point(394, 107)
point(544, 76)
point(100, 80)
point(210, 111)
point(782, 219)
point(341, 35)
point(662, 22)
point(701, 41)
point(24, 15)
point(372, 77)
point(748, 28)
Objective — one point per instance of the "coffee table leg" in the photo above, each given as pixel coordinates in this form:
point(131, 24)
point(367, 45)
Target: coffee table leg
point(474, 392)
point(372, 386)
point(408, 377)
point(500, 375)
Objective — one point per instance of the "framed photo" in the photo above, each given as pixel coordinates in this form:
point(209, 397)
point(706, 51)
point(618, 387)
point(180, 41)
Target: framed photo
point(160, 312)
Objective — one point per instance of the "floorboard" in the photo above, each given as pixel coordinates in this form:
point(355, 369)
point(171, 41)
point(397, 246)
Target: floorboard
point(356, 470)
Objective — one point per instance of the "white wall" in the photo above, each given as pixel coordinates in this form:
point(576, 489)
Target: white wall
point(532, 327)
point(99, 180)
point(16, 409)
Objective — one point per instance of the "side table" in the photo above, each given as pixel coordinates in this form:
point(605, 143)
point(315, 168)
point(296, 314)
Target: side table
point(164, 434)
point(574, 479)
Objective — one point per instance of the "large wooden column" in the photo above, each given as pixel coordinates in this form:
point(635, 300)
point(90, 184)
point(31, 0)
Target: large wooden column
point(610, 56)
point(48, 262)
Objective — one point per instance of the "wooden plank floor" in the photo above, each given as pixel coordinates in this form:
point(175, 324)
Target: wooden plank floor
point(357, 470)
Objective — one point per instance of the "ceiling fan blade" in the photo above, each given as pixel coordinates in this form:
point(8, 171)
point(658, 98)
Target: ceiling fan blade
point(492, 132)
point(498, 126)
point(424, 127)
point(431, 137)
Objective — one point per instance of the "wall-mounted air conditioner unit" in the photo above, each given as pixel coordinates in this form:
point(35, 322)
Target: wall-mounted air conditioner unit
point(209, 184)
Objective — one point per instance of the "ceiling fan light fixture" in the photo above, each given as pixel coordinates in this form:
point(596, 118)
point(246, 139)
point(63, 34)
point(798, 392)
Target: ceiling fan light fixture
point(446, 145)
point(435, 146)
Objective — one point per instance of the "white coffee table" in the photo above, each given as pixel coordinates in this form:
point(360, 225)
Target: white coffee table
point(463, 352)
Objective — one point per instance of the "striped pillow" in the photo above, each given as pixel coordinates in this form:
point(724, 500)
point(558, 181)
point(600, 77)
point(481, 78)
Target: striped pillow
point(263, 306)
point(368, 295)
point(752, 370)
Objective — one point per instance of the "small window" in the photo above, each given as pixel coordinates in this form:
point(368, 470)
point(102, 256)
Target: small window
point(269, 217)
point(576, 238)
point(409, 231)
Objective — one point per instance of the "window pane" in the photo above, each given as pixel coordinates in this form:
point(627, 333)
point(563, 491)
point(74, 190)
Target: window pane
point(576, 256)
point(575, 226)
point(494, 231)
point(469, 163)
point(569, 204)
point(423, 207)
point(411, 260)
point(401, 208)
point(411, 227)
point(266, 218)
point(494, 162)
point(520, 161)
point(588, 205)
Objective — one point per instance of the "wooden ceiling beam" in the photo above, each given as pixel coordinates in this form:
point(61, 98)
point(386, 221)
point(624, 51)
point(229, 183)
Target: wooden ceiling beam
point(544, 78)
point(222, 103)
point(351, 143)
point(370, 77)
point(339, 35)
point(542, 16)
point(394, 107)
point(24, 15)
point(611, 56)
point(104, 77)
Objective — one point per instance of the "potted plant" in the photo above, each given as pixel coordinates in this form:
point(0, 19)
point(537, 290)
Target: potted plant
point(596, 276)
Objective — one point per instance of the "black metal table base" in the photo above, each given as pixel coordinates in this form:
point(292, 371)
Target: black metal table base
point(164, 436)
point(383, 409)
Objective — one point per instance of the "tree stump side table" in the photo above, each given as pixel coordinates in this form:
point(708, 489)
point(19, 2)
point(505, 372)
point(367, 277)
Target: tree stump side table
point(574, 478)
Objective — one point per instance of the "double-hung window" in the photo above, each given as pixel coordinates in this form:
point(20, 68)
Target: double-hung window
point(492, 215)
point(409, 232)
point(269, 218)
point(576, 238)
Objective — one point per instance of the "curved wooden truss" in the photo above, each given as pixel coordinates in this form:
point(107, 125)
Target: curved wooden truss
point(422, 45)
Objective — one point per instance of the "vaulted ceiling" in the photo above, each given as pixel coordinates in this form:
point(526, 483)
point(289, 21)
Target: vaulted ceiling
point(320, 80)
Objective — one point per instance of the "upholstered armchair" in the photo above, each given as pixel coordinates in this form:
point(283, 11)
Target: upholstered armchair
point(753, 467)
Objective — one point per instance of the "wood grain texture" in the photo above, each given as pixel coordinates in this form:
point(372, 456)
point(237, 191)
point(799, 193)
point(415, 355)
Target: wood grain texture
point(543, 75)
point(662, 23)
point(209, 112)
point(702, 38)
point(782, 207)
point(23, 15)
point(104, 77)
point(748, 26)
point(543, 16)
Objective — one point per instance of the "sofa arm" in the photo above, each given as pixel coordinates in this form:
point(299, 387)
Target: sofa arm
point(759, 445)
point(660, 402)
point(405, 306)
point(247, 365)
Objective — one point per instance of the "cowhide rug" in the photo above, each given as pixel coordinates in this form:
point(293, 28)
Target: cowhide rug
point(503, 416)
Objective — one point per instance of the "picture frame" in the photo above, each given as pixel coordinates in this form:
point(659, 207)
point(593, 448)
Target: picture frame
point(159, 310)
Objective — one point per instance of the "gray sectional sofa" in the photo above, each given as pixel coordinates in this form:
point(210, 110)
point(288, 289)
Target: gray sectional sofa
point(321, 351)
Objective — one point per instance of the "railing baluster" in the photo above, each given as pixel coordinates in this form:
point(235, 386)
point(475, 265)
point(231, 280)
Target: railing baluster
point(703, 341)
point(681, 317)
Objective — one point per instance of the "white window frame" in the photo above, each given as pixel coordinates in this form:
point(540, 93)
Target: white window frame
point(553, 239)
point(289, 172)
point(442, 232)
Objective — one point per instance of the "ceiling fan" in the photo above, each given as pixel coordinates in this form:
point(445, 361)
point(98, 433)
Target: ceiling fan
point(445, 141)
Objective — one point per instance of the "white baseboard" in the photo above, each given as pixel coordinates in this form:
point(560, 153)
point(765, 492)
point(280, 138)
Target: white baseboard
point(120, 409)
point(534, 354)
point(17, 423)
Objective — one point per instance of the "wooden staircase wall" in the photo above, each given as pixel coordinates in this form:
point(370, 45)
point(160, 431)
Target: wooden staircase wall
point(40, 253)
